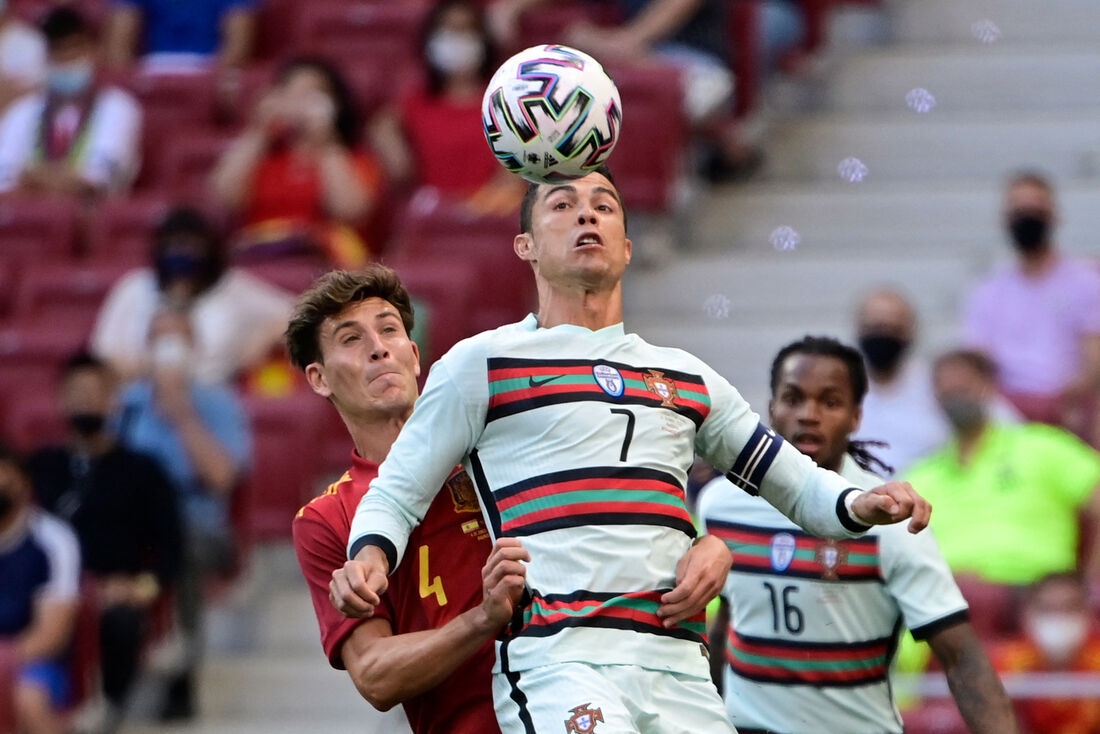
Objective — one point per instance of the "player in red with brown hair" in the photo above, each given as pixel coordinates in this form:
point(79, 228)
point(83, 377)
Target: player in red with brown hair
point(428, 644)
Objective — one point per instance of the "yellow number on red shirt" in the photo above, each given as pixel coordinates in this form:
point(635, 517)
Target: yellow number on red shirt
point(435, 586)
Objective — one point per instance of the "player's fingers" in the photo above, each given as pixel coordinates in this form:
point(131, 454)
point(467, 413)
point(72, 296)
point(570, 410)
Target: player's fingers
point(368, 587)
point(347, 602)
point(502, 570)
point(922, 513)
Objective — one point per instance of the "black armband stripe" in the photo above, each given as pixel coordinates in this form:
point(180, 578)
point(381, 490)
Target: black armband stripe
point(379, 541)
point(843, 515)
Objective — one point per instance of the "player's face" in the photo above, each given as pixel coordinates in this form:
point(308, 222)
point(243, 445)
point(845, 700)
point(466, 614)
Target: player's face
point(578, 235)
point(370, 364)
point(813, 407)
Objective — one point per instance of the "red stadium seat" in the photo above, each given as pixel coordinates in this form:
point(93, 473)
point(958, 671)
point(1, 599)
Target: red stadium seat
point(31, 355)
point(294, 275)
point(343, 29)
point(935, 717)
point(121, 229)
point(42, 228)
point(448, 287)
point(186, 165)
point(63, 291)
point(994, 608)
point(648, 166)
point(189, 97)
point(33, 419)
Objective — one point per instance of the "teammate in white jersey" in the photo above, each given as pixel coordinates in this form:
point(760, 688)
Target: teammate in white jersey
point(808, 627)
point(579, 437)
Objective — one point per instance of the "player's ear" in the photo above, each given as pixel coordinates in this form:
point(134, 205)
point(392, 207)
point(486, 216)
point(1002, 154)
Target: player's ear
point(629, 250)
point(315, 376)
point(524, 245)
point(416, 353)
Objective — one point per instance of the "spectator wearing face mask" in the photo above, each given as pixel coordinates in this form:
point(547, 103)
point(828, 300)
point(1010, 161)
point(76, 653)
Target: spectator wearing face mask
point(297, 176)
point(199, 434)
point(1029, 483)
point(235, 317)
point(1039, 319)
point(1060, 636)
point(77, 136)
point(435, 138)
point(123, 509)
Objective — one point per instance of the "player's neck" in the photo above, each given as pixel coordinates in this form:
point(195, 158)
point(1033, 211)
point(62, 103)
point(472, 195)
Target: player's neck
point(374, 437)
point(592, 309)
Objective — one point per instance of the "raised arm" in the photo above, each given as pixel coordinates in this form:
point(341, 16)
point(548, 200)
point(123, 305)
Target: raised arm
point(978, 692)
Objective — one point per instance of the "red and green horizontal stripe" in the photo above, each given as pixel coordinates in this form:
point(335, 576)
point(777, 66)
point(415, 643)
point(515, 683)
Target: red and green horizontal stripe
point(751, 548)
point(819, 664)
point(511, 391)
point(634, 611)
point(592, 496)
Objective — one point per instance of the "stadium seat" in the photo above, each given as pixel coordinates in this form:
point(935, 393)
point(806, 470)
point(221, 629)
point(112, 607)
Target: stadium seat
point(994, 608)
point(343, 29)
point(189, 97)
point(32, 419)
point(649, 166)
point(121, 230)
point(186, 165)
point(85, 653)
point(285, 459)
point(935, 717)
point(33, 227)
point(64, 291)
point(448, 287)
point(293, 274)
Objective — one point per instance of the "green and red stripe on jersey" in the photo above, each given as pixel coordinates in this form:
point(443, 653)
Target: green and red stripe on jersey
point(519, 385)
point(636, 611)
point(790, 662)
point(599, 495)
point(856, 559)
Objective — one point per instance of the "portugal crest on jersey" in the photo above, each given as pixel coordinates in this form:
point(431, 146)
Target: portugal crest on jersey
point(584, 719)
point(782, 551)
point(831, 555)
point(662, 387)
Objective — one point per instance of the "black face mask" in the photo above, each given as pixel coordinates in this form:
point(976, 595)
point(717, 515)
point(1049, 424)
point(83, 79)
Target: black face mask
point(1029, 231)
point(87, 424)
point(883, 351)
point(7, 505)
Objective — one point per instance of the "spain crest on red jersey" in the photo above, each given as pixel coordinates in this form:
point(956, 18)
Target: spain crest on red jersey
point(584, 719)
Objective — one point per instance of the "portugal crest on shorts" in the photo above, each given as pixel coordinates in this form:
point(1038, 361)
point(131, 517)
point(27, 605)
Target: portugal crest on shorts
point(584, 719)
point(831, 555)
point(662, 387)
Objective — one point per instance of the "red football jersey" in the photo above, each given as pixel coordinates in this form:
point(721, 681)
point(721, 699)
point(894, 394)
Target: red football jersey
point(439, 578)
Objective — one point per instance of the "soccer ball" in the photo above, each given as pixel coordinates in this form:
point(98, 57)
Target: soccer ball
point(551, 114)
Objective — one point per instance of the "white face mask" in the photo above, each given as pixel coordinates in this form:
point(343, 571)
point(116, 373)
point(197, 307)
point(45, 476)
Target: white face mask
point(70, 80)
point(455, 52)
point(1059, 636)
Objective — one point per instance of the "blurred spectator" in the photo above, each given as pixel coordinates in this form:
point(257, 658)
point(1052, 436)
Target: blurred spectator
point(1060, 636)
point(176, 37)
point(22, 56)
point(900, 409)
point(1027, 483)
point(39, 598)
point(200, 435)
point(123, 509)
point(235, 317)
point(1040, 319)
point(297, 175)
point(78, 136)
point(436, 138)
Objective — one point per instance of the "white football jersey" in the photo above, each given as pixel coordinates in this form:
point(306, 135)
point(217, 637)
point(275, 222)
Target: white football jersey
point(579, 443)
point(814, 623)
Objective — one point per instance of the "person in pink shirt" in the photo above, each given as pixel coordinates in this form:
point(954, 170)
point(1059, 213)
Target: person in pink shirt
point(1039, 319)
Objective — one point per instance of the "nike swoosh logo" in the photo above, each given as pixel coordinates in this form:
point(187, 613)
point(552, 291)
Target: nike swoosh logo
point(532, 382)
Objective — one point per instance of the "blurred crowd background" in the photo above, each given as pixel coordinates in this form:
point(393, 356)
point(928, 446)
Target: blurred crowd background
point(172, 174)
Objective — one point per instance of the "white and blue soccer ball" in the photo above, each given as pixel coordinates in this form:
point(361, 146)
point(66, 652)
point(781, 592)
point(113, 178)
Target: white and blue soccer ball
point(551, 113)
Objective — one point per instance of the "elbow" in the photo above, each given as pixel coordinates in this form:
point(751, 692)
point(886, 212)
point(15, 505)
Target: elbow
point(373, 687)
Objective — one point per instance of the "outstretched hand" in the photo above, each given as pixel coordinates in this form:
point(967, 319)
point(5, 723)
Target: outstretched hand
point(890, 503)
point(700, 575)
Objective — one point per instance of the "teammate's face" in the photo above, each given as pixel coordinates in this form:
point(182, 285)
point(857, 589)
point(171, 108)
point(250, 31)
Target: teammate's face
point(578, 235)
point(370, 365)
point(814, 408)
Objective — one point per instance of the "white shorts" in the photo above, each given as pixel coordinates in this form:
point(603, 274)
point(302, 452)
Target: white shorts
point(576, 698)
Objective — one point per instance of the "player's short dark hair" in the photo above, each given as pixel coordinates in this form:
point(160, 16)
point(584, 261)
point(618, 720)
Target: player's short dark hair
point(332, 293)
point(528, 203)
point(1030, 177)
point(63, 23)
point(979, 362)
point(825, 346)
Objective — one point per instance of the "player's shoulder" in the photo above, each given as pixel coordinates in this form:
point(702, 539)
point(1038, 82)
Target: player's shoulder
point(474, 349)
point(332, 504)
point(672, 357)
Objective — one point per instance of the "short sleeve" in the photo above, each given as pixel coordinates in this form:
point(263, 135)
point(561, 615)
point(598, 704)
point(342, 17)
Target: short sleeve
point(63, 550)
point(919, 580)
point(1071, 465)
point(320, 552)
point(112, 156)
point(17, 138)
point(122, 325)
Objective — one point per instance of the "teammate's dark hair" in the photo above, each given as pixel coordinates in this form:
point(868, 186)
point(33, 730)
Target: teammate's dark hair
point(185, 221)
point(347, 111)
point(332, 293)
point(824, 346)
point(528, 203)
point(436, 77)
point(977, 361)
point(1030, 177)
point(62, 23)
